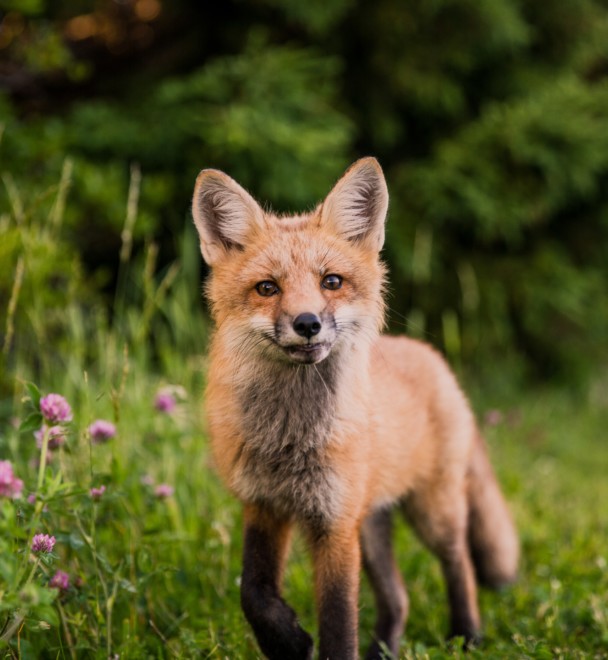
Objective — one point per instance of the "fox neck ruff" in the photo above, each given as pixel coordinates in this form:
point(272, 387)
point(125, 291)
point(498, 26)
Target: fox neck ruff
point(288, 415)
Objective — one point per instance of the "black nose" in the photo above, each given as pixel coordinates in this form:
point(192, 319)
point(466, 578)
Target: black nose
point(307, 325)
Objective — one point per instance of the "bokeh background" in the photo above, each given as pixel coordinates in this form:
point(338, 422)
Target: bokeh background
point(490, 119)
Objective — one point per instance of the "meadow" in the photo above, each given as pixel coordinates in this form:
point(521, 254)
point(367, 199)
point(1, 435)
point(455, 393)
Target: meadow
point(141, 553)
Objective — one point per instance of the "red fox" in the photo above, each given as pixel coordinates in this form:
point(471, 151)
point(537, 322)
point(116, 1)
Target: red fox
point(318, 420)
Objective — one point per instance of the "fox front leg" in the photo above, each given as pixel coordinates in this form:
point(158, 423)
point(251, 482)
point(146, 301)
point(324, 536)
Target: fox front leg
point(337, 559)
point(274, 623)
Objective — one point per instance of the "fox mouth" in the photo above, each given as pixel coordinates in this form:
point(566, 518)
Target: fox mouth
point(307, 353)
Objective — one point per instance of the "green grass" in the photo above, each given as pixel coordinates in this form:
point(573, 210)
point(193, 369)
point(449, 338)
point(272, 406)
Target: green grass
point(159, 578)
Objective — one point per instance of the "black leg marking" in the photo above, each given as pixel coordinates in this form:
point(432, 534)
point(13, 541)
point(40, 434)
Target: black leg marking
point(274, 623)
point(337, 623)
point(460, 582)
point(337, 559)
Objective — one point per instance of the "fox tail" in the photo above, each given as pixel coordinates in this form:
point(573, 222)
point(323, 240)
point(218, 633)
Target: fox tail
point(492, 536)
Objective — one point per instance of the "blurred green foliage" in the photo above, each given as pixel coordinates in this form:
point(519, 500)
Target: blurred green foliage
point(490, 119)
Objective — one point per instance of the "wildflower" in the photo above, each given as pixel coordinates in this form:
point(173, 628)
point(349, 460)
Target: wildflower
point(43, 543)
point(55, 409)
point(165, 402)
point(101, 431)
point(493, 417)
point(10, 486)
point(162, 491)
point(32, 498)
point(147, 480)
point(56, 436)
point(96, 493)
point(60, 580)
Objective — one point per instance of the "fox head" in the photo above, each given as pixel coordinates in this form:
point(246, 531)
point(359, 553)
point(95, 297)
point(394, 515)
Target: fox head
point(295, 288)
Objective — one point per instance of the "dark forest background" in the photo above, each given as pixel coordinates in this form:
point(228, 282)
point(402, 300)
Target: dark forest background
point(489, 117)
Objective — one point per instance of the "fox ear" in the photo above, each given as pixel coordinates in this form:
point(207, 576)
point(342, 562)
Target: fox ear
point(357, 205)
point(224, 214)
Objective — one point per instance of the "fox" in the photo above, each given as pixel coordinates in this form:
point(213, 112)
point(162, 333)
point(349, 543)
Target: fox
point(318, 421)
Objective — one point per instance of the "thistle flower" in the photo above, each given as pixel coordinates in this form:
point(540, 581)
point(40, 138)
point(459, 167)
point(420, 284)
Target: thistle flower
point(43, 544)
point(60, 580)
point(55, 409)
point(101, 431)
point(162, 491)
point(56, 436)
point(97, 493)
point(10, 486)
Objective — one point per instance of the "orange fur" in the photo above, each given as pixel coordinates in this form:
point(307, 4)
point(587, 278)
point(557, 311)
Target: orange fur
point(328, 427)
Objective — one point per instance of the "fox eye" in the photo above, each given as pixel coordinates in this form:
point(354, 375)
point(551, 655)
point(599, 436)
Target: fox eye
point(331, 282)
point(267, 288)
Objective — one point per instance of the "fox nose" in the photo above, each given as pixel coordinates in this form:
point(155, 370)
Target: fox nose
point(307, 325)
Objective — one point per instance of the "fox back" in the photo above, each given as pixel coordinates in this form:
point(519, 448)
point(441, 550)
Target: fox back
point(317, 419)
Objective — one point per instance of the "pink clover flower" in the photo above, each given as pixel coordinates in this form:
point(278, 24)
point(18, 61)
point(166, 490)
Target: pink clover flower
point(55, 409)
point(60, 580)
point(101, 431)
point(56, 436)
point(162, 491)
point(97, 493)
point(10, 486)
point(43, 544)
